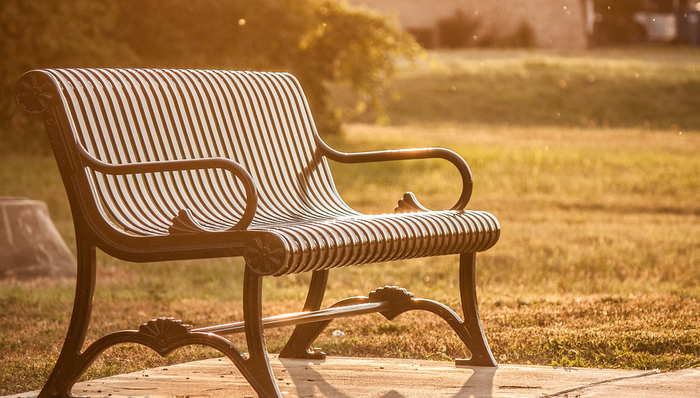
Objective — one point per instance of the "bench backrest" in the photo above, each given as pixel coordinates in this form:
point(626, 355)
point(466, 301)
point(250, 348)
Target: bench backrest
point(260, 120)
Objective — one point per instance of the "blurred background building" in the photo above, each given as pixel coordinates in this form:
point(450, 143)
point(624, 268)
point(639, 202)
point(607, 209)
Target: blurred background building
point(542, 23)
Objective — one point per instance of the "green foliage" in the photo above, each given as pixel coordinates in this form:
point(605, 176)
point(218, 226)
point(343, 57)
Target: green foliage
point(457, 31)
point(523, 36)
point(321, 41)
point(44, 33)
point(355, 47)
point(462, 30)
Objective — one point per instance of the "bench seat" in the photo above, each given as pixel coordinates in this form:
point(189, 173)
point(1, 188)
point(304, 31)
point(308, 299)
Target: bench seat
point(351, 240)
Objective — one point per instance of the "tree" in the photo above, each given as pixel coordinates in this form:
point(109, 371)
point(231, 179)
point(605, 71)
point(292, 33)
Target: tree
point(322, 42)
point(49, 33)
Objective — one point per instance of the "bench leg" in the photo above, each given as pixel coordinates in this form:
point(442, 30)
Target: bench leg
point(304, 335)
point(475, 339)
point(257, 370)
point(398, 301)
point(162, 335)
point(70, 364)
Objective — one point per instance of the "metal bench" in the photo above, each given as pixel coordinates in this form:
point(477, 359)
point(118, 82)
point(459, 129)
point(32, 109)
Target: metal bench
point(166, 165)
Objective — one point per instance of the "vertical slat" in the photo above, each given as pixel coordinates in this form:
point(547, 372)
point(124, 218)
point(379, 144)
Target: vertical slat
point(260, 120)
point(271, 186)
point(295, 151)
point(323, 185)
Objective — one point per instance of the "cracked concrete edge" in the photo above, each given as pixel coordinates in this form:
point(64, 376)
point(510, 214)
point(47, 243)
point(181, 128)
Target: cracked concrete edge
point(684, 383)
point(597, 383)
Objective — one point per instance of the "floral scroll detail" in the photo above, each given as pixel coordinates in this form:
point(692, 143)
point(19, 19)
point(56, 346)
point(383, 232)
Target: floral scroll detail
point(400, 300)
point(263, 257)
point(164, 328)
point(392, 294)
point(33, 93)
point(409, 204)
point(184, 223)
point(163, 334)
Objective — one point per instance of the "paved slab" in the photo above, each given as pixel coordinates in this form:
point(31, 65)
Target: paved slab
point(684, 383)
point(392, 378)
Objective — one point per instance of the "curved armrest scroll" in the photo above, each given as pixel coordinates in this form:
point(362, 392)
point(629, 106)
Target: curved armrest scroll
point(409, 154)
point(251, 195)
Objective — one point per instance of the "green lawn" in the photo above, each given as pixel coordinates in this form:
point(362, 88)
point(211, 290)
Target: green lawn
point(647, 87)
point(597, 265)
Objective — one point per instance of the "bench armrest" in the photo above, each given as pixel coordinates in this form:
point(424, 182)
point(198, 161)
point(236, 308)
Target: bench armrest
point(251, 195)
point(409, 154)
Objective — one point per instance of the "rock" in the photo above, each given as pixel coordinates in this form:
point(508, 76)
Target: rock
point(30, 245)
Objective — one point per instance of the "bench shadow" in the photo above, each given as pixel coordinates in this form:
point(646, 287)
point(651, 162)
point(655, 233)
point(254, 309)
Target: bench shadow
point(479, 384)
point(308, 382)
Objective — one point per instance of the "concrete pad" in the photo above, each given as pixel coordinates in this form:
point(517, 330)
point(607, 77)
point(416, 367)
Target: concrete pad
point(683, 383)
point(339, 377)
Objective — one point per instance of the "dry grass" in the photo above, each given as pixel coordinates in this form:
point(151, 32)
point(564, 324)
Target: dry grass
point(597, 266)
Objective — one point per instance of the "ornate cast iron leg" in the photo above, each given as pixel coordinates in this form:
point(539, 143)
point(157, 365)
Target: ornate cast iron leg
point(258, 370)
point(304, 335)
point(70, 364)
point(479, 347)
point(163, 335)
point(397, 301)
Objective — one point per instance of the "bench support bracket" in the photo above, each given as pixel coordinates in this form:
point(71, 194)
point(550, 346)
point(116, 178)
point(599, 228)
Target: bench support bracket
point(397, 302)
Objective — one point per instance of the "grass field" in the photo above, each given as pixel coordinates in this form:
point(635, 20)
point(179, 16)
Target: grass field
point(598, 264)
point(647, 87)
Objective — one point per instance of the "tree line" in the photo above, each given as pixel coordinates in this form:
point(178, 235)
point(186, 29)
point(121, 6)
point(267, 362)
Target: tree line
point(322, 42)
